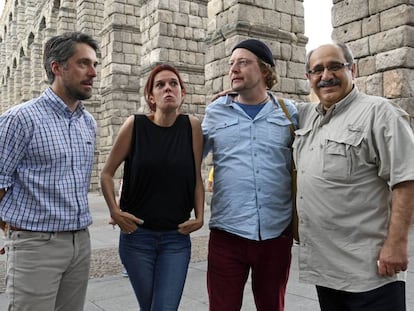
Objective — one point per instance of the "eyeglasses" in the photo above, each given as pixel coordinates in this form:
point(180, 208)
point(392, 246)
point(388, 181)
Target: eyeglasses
point(241, 63)
point(334, 67)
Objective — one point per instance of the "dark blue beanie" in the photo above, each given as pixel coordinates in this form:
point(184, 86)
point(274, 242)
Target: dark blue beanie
point(258, 48)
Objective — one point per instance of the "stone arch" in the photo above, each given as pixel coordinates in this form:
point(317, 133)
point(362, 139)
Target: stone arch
point(56, 4)
point(42, 24)
point(30, 39)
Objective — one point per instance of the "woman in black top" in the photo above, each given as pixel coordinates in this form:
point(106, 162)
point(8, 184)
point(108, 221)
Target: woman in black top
point(162, 153)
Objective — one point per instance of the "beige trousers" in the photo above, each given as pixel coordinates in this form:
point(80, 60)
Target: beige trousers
point(47, 271)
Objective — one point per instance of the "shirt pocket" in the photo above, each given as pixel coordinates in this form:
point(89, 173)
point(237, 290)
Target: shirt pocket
point(278, 131)
point(300, 136)
point(227, 133)
point(87, 145)
point(340, 152)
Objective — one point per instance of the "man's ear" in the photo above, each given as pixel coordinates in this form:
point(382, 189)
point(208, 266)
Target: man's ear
point(56, 68)
point(354, 70)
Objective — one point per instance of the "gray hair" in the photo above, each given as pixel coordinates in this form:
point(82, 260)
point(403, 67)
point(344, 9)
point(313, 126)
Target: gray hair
point(61, 47)
point(345, 50)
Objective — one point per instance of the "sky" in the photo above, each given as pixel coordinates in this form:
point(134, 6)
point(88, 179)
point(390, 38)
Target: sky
point(317, 21)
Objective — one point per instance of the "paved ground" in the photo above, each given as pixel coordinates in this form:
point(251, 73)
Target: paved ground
point(109, 291)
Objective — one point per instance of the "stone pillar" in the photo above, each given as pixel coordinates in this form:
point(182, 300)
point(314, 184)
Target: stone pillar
point(3, 101)
point(3, 83)
point(20, 20)
point(26, 77)
point(381, 36)
point(37, 71)
point(17, 77)
point(10, 87)
point(66, 19)
point(30, 11)
point(89, 19)
point(278, 23)
point(89, 16)
point(174, 32)
point(12, 36)
point(120, 70)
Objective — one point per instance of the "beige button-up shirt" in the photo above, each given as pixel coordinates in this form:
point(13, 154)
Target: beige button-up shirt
point(347, 160)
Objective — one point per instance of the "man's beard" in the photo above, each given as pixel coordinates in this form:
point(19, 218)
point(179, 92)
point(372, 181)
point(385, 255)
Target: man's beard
point(77, 94)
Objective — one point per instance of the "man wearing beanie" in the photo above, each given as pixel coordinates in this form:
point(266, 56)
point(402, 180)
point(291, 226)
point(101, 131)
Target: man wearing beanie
point(250, 139)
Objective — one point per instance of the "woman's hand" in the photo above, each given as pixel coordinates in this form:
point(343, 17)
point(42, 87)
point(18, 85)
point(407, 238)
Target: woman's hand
point(126, 221)
point(190, 226)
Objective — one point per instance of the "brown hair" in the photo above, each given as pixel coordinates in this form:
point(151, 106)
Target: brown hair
point(150, 82)
point(271, 76)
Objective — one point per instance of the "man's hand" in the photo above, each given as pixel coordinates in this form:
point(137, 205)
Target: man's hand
point(224, 93)
point(393, 258)
point(2, 227)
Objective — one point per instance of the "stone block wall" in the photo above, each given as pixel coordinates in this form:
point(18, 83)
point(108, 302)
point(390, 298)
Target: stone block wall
point(197, 37)
point(381, 36)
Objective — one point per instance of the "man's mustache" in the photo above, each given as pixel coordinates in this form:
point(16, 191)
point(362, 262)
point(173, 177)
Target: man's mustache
point(332, 82)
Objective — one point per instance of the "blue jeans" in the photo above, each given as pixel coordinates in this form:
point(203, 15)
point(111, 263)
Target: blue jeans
point(157, 264)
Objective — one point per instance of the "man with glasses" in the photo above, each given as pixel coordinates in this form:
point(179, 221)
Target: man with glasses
point(251, 208)
point(353, 155)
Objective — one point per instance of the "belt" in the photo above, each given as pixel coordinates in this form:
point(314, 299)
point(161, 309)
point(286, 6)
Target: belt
point(13, 228)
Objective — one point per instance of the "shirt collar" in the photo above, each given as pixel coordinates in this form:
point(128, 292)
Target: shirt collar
point(338, 107)
point(59, 106)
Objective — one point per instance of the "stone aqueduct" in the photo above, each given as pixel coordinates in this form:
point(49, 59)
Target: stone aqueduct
point(197, 37)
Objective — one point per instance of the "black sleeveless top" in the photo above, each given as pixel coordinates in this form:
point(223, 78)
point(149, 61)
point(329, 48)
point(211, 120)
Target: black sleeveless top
point(159, 173)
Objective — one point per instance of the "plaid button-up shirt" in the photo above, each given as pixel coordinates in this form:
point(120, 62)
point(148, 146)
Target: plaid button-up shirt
point(46, 159)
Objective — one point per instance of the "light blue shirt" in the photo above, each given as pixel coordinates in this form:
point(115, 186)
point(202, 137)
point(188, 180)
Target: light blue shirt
point(46, 159)
point(252, 165)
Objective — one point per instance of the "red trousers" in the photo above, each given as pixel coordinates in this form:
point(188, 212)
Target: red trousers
point(231, 259)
